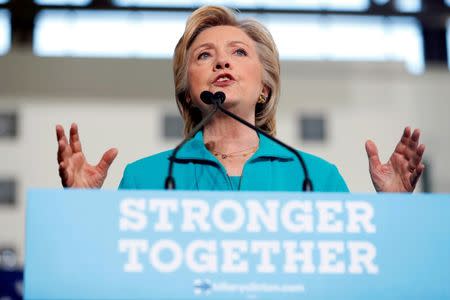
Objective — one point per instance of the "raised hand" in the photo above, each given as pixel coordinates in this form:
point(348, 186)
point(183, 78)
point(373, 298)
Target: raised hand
point(74, 170)
point(403, 170)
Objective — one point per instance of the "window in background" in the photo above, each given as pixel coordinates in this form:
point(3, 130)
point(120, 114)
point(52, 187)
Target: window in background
point(154, 35)
point(447, 2)
point(312, 128)
point(8, 125)
point(4, 1)
point(5, 31)
point(355, 5)
point(107, 34)
point(349, 39)
point(448, 41)
point(172, 126)
point(288, 4)
point(8, 187)
point(380, 2)
point(409, 6)
point(63, 2)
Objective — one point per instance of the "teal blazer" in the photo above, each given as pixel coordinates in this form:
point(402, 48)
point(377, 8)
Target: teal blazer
point(271, 168)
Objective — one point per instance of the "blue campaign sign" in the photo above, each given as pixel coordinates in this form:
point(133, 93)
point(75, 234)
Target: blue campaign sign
point(92, 244)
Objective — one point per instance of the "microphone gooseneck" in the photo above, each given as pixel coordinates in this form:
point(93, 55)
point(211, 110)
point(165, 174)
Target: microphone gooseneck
point(307, 183)
point(217, 99)
point(208, 98)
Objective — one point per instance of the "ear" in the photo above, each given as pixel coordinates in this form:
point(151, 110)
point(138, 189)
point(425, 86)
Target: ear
point(266, 91)
point(187, 98)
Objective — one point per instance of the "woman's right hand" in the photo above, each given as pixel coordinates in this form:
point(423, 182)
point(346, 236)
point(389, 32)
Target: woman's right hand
point(74, 170)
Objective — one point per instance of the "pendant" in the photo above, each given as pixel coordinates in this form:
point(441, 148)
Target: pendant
point(224, 156)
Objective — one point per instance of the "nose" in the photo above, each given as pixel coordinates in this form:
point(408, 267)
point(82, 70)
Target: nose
point(222, 61)
point(222, 65)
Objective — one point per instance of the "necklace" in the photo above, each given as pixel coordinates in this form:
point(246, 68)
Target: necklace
point(242, 153)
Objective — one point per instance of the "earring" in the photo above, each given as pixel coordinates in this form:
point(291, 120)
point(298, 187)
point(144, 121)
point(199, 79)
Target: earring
point(262, 99)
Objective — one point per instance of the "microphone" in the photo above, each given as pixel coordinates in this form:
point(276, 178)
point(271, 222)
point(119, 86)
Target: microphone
point(208, 98)
point(219, 97)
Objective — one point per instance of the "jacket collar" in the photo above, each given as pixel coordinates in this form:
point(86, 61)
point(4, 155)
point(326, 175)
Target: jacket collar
point(195, 149)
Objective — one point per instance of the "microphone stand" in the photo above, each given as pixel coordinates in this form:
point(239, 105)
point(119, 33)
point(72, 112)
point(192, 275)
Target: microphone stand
point(170, 181)
point(217, 99)
point(307, 183)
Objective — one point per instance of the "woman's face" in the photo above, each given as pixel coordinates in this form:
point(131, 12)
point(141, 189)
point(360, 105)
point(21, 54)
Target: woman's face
point(224, 58)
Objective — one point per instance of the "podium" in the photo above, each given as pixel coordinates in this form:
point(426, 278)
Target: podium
point(100, 244)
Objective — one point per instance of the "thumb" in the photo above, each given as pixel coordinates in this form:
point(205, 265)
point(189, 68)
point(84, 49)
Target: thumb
point(372, 154)
point(107, 159)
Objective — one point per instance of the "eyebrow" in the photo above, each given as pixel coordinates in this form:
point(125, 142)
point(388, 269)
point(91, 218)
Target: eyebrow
point(211, 45)
point(237, 42)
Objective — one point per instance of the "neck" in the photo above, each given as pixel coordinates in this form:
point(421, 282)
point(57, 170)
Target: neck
point(226, 135)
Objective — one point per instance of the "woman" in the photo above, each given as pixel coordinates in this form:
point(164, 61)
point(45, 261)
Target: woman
point(219, 53)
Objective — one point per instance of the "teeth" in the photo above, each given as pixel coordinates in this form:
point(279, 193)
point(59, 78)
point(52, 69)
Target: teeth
point(223, 79)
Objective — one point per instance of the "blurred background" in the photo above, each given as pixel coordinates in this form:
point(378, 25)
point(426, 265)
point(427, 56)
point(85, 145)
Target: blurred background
point(351, 70)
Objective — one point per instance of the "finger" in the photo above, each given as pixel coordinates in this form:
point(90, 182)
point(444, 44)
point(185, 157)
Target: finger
point(416, 175)
point(61, 172)
point(75, 143)
point(421, 150)
point(416, 135)
point(64, 151)
point(107, 160)
point(62, 140)
point(402, 144)
point(413, 142)
point(64, 174)
point(417, 157)
point(60, 135)
point(372, 155)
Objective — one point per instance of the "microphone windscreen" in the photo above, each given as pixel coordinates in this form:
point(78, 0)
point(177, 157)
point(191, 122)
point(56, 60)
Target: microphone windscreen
point(220, 96)
point(206, 97)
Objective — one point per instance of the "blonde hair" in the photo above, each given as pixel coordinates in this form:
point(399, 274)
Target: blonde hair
point(210, 16)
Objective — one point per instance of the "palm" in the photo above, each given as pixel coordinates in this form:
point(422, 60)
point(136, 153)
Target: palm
point(74, 170)
point(83, 174)
point(403, 170)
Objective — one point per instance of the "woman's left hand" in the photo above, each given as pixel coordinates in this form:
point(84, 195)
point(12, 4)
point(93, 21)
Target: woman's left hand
point(403, 170)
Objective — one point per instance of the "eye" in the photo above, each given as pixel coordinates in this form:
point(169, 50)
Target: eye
point(241, 52)
point(203, 55)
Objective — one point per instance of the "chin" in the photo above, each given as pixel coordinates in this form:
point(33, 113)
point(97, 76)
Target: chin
point(230, 100)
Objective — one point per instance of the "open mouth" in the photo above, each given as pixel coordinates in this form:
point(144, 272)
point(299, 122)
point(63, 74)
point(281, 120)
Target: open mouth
point(223, 79)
